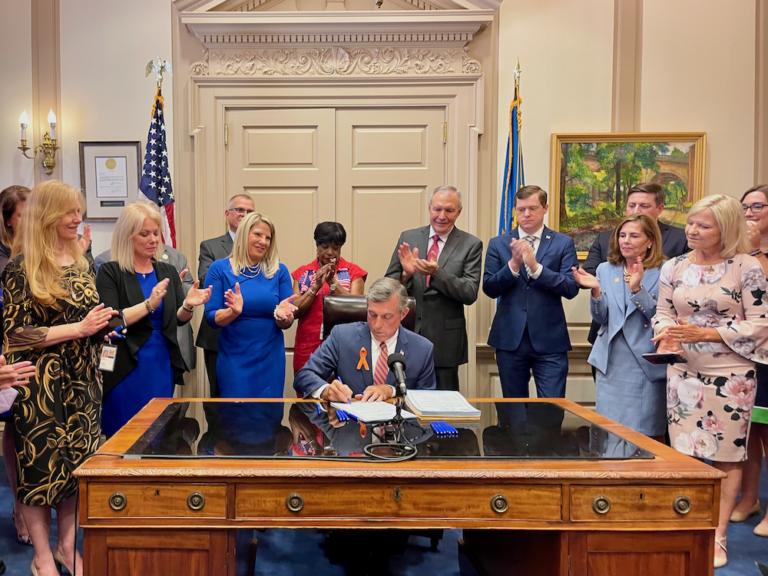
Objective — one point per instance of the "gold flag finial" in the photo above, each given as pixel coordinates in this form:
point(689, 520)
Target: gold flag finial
point(518, 71)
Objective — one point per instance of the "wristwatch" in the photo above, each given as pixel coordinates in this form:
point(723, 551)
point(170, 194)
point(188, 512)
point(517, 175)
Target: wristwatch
point(332, 286)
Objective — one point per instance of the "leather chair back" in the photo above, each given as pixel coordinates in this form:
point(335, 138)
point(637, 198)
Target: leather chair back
point(353, 308)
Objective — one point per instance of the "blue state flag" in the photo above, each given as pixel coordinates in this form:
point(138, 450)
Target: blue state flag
point(514, 177)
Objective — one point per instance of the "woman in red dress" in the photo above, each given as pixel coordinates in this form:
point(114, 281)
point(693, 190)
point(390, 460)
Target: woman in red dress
point(328, 274)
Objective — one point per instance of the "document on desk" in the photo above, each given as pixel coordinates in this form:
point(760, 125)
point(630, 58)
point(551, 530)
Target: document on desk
point(441, 403)
point(372, 411)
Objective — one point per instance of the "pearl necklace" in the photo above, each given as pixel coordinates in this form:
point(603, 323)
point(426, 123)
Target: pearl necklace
point(251, 272)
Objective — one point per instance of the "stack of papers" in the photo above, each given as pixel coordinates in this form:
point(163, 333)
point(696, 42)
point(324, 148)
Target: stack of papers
point(371, 412)
point(440, 405)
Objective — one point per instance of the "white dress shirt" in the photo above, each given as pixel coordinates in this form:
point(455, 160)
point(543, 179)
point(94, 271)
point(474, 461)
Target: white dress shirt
point(231, 235)
point(375, 353)
point(536, 242)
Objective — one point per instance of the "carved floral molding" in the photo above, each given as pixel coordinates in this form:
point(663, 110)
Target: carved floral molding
point(336, 61)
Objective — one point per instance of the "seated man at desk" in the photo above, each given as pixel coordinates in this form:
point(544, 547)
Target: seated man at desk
point(357, 353)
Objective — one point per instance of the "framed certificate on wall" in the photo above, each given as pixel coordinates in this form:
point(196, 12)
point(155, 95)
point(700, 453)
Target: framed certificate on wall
point(109, 176)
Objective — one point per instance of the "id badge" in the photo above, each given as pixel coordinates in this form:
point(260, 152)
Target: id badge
point(108, 355)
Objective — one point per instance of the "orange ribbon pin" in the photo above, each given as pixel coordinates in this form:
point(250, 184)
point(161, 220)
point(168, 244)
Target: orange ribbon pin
point(363, 361)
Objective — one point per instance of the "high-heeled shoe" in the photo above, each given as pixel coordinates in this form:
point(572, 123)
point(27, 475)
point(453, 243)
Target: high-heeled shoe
point(59, 560)
point(761, 530)
point(34, 570)
point(737, 516)
point(720, 562)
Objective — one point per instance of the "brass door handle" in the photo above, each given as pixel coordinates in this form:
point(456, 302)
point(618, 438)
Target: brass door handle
point(601, 505)
point(499, 504)
point(196, 501)
point(294, 502)
point(118, 501)
point(682, 505)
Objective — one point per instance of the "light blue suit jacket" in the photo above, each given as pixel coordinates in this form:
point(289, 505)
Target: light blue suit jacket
point(611, 313)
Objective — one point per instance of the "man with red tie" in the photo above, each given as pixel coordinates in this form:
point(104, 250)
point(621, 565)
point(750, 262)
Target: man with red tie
point(357, 353)
point(440, 266)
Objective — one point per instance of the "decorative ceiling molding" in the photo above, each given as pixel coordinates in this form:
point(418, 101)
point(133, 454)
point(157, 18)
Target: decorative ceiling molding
point(449, 28)
point(336, 61)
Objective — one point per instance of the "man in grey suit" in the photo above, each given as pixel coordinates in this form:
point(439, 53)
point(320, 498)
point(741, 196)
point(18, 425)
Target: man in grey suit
point(216, 249)
point(184, 333)
point(443, 280)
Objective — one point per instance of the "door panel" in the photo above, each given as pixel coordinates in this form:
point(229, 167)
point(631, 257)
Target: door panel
point(285, 160)
point(387, 162)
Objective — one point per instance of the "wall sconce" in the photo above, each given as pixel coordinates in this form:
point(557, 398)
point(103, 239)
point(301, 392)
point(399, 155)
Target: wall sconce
point(48, 147)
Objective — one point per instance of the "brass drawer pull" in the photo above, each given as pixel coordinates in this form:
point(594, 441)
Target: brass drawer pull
point(196, 501)
point(118, 501)
point(682, 505)
point(294, 502)
point(499, 504)
point(601, 505)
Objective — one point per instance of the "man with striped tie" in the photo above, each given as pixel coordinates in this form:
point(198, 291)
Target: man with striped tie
point(357, 353)
point(529, 271)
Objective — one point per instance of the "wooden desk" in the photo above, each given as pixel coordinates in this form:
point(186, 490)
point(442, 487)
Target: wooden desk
point(553, 517)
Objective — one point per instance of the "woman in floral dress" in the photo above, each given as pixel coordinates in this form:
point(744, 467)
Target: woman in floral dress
point(712, 311)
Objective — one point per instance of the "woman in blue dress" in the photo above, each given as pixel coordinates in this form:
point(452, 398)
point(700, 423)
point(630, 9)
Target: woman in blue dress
point(630, 390)
point(148, 293)
point(251, 301)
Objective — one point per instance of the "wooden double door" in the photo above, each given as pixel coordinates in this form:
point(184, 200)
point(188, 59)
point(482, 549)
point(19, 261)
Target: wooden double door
point(371, 169)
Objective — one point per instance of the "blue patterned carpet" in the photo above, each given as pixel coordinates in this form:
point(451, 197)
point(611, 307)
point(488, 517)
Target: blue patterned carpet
point(300, 552)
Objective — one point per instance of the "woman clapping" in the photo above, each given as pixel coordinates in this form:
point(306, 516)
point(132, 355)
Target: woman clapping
point(630, 390)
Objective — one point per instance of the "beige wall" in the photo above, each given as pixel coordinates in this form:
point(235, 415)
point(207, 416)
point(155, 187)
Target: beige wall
point(701, 77)
point(105, 47)
point(15, 91)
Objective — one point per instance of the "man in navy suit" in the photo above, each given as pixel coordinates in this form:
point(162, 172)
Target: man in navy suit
point(529, 270)
point(357, 353)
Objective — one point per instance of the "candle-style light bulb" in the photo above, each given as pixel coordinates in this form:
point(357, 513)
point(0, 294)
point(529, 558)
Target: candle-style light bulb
point(24, 121)
point(52, 122)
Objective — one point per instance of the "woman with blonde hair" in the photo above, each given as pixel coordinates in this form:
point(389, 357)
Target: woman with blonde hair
point(630, 390)
point(52, 316)
point(711, 310)
point(251, 302)
point(148, 294)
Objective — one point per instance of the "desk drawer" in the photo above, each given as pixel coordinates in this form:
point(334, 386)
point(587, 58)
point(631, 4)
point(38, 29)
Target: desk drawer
point(373, 500)
point(640, 503)
point(157, 500)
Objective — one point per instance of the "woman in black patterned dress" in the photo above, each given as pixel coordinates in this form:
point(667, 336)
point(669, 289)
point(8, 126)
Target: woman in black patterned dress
point(52, 313)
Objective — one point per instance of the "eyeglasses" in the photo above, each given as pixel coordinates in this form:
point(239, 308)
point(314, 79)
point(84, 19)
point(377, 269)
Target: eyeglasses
point(756, 207)
point(241, 210)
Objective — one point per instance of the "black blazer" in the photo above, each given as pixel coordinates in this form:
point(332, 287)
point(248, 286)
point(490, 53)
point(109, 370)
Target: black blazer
point(673, 243)
point(210, 250)
point(119, 290)
point(440, 307)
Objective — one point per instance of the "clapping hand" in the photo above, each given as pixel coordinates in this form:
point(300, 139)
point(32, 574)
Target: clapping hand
point(96, 319)
point(517, 253)
point(407, 258)
point(636, 272)
point(284, 311)
point(197, 295)
point(158, 293)
point(428, 267)
point(234, 300)
point(85, 239)
point(17, 374)
point(585, 279)
point(529, 256)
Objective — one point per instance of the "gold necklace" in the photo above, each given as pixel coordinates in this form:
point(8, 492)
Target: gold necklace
point(693, 261)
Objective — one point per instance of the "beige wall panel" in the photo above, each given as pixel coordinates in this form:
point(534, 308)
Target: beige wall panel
point(390, 147)
point(280, 147)
point(378, 217)
point(702, 77)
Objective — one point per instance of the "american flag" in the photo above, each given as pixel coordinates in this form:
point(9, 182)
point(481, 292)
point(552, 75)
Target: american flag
point(156, 177)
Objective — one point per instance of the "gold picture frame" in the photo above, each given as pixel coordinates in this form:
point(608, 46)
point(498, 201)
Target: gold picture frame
point(584, 197)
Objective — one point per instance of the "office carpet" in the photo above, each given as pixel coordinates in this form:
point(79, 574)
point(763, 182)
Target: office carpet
point(301, 552)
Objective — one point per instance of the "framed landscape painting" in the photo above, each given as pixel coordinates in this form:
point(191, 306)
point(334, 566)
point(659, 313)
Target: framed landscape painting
point(592, 173)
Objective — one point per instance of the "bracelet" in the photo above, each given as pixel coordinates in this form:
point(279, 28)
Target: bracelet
point(149, 307)
point(313, 293)
point(278, 318)
point(184, 305)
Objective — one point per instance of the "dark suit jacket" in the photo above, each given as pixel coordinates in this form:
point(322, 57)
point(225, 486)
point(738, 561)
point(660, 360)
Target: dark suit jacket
point(525, 301)
point(119, 290)
point(210, 250)
point(340, 354)
point(184, 334)
point(673, 243)
point(440, 307)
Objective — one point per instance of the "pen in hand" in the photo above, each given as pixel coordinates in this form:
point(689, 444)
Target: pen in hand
point(349, 400)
